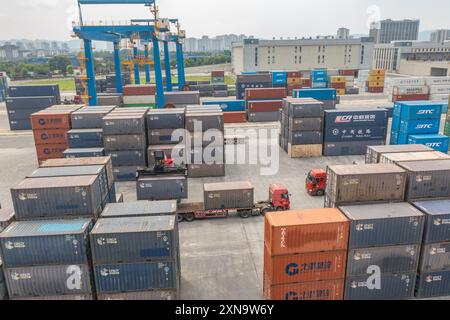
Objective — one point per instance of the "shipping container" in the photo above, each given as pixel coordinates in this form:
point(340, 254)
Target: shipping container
point(50, 151)
point(305, 124)
point(7, 216)
point(90, 117)
point(53, 136)
point(433, 284)
point(51, 119)
point(28, 104)
point(84, 153)
point(139, 90)
point(137, 239)
point(398, 158)
point(235, 117)
point(354, 133)
point(437, 142)
point(264, 106)
point(85, 138)
point(307, 108)
point(127, 173)
point(265, 93)
point(387, 286)
point(182, 98)
point(228, 195)
point(20, 125)
point(165, 119)
point(124, 124)
point(128, 158)
point(156, 295)
point(356, 117)
point(206, 170)
point(140, 208)
point(390, 224)
point(437, 226)
point(175, 152)
point(132, 277)
point(33, 243)
point(418, 110)
point(317, 290)
point(125, 142)
point(306, 231)
point(305, 137)
point(67, 297)
point(156, 188)
point(374, 153)
point(263, 116)
point(200, 121)
point(427, 179)
point(228, 105)
point(305, 150)
point(48, 280)
point(346, 148)
point(319, 94)
point(166, 136)
point(43, 198)
point(35, 91)
point(435, 257)
point(391, 259)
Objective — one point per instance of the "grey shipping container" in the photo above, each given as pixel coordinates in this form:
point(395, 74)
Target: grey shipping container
point(433, 284)
point(30, 103)
point(20, 125)
point(305, 137)
point(392, 259)
point(48, 280)
point(204, 121)
point(3, 289)
point(33, 243)
point(263, 116)
point(7, 216)
point(303, 108)
point(43, 198)
point(437, 226)
point(140, 208)
point(399, 158)
point(165, 119)
point(137, 239)
point(35, 91)
point(228, 195)
point(85, 138)
point(107, 100)
point(132, 277)
point(435, 257)
point(212, 155)
point(162, 188)
point(67, 297)
point(349, 184)
point(427, 179)
point(126, 173)
point(90, 118)
point(306, 124)
point(389, 286)
point(156, 295)
point(165, 136)
point(374, 153)
point(74, 172)
point(128, 158)
point(206, 170)
point(175, 152)
point(182, 98)
point(84, 153)
point(125, 142)
point(115, 123)
point(377, 225)
point(347, 148)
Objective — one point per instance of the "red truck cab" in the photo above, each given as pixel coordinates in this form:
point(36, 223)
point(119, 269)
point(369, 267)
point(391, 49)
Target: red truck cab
point(279, 197)
point(316, 182)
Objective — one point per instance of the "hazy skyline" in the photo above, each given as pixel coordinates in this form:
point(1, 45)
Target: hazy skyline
point(51, 19)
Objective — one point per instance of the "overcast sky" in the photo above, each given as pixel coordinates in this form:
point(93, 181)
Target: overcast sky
point(51, 19)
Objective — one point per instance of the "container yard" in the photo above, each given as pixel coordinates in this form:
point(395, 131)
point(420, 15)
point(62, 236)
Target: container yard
point(327, 182)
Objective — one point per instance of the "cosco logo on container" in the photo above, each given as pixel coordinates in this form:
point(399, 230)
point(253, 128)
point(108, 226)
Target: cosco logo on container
point(41, 122)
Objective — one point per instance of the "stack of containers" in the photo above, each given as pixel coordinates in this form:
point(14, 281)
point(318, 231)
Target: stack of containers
point(181, 99)
point(161, 126)
point(403, 83)
point(434, 268)
point(125, 140)
point(305, 255)
point(319, 78)
point(50, 127)
point(384, 251)
point(350, 132)
point(375, 82)
point(374, 153)
point(218, 77)
point(279, 79)
point(414, 118)
point(338, 83)
point(410, 93)
point(439, 88)
point(251, 81)
point(366, 183)
point(41, 264)
point(23, 101)
point(294, 81)
point(301, 127)
point(234, 111)
point(136, 258)
point(264, 105)
point(327, 96)
point(200, 119)
point(136, 96)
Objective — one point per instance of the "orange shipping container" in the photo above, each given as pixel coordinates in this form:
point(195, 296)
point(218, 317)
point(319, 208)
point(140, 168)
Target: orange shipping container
point(50, 151)
point(305, 231)
point(55, 136)
point(307, 267)
point(50, 120)
point(318, 290)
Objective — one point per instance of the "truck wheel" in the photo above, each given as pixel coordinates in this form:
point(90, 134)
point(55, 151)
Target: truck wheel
point(180, 218)
point(189, 217)
point(320, 193)
point(244, 214)
point(265, 211)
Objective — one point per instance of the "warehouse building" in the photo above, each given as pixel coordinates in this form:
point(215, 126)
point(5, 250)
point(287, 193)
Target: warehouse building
point(389, 30)
point(254, 55)
point(420, 58)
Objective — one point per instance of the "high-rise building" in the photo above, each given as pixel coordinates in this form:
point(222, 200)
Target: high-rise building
point(343, 33)
point(389, 30)
point(440, 35)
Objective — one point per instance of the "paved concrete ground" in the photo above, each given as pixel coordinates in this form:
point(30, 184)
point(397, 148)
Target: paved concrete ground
point(221, 259)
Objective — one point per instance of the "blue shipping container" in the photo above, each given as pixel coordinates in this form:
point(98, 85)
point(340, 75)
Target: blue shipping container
point(128, 158)
point(437, 142)
point(433, 284)
point(425, 126)
point(437, 226)
point(279, 77)
point(352, 118)
point(228, 105)
point(32, 243)
point(84, 153)
point(417, 110)
point(318, 94)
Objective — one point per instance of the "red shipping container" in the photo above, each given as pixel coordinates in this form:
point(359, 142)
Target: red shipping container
point(50, 151)
point(318, 290)
point(349, 72)
point(235, 117)
point(375, 89)
point(51, 120)
point(265, 106)
point(52, 136)
point(410, 97)
point(265, 93)
point(340, 85)
point(217, 74)
point(139, 90)
point(306, 83)
point(306, 231)
point(307, 267)
point(294, 74)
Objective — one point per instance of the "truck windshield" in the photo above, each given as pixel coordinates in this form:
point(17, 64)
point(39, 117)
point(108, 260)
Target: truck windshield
point(285, 196)
point(310, 178)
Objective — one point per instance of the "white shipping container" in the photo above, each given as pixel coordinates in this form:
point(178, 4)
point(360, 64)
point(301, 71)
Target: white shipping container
point(407, 82)
point(439, 97)
point(434, 89)
point(139, 99)
point(438, 81)
point(401, 90)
